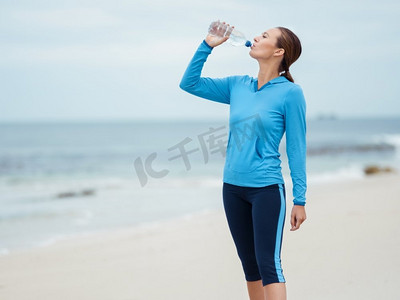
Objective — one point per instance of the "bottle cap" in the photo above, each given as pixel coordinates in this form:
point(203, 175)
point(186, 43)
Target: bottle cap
point(248, 44)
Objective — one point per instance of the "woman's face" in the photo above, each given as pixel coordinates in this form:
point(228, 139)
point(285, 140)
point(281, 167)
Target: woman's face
point(264, 45)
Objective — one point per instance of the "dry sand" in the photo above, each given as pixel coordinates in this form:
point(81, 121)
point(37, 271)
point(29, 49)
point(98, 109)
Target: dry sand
point(348, 248)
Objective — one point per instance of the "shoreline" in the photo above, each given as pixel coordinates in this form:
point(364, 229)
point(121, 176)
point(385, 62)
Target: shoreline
point(351, 236)
point(346, 174)
point(95, 234)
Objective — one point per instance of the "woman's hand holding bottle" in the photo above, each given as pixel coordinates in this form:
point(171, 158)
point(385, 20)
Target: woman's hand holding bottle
point(216, 33)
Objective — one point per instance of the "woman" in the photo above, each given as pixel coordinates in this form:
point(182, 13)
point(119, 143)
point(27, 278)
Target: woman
point(262, 109)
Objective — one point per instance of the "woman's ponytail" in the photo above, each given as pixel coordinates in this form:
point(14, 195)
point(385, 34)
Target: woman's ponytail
point(292, 46)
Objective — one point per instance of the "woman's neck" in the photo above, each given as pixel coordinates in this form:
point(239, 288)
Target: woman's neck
point(266, 73)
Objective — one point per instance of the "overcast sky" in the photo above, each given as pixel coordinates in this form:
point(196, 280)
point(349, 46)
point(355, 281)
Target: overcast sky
point(123, 60)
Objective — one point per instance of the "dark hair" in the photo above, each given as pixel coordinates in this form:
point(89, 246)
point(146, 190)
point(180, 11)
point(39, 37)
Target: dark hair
point(292, 46)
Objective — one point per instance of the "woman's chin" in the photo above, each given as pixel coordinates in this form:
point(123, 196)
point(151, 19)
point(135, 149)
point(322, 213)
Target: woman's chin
point(251, 53)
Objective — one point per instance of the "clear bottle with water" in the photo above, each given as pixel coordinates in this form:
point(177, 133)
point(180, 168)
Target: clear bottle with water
point(236, 38)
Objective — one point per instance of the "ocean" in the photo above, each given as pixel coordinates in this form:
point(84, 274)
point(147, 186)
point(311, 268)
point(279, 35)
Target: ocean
point(64, 179)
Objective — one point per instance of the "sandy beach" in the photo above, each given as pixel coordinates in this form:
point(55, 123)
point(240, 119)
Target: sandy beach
point(347, 249)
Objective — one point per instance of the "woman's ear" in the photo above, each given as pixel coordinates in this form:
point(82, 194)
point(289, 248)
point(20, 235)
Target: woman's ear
point(279, 52)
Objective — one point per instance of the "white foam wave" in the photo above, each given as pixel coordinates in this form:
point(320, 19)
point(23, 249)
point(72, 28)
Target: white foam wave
point(391, 139)
point(177, 182)
point(341, 174)
point(4, 251)
point(84, 218)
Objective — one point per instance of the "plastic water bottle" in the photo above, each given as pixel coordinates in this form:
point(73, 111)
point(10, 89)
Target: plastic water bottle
point(236, 38)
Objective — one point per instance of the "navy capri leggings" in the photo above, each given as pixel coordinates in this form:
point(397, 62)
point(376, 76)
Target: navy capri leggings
point(256, 217)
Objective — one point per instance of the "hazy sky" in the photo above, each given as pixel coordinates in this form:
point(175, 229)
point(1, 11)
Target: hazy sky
point(123, 60)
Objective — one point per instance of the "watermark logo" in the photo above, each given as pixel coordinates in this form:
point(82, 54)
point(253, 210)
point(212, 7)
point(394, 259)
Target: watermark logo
point(210, 142)
point(247, 129)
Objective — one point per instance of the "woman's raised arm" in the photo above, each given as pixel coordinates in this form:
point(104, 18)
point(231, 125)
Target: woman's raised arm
point(215, 89)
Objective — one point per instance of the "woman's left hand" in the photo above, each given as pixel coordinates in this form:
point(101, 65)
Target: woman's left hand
point(298, 216)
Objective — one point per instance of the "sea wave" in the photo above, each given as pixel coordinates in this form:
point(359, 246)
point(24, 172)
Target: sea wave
point(390, 139)
point(352, 148)
point(4, 251)
point(376, 143)
point(185, 182)
point(341, 174)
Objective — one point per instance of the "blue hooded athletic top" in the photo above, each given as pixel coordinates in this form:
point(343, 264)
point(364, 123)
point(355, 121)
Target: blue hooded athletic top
point(257, 121)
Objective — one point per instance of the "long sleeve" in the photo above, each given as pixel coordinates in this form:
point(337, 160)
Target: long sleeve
point(295, 124)
point(215, 89)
